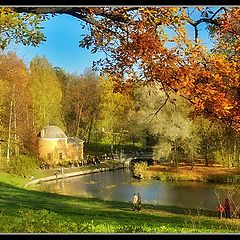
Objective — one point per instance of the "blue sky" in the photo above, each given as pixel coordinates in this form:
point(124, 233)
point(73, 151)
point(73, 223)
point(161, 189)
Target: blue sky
point(62, 46)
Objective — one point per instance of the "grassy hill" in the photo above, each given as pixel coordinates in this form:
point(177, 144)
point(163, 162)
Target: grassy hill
point(31, 211)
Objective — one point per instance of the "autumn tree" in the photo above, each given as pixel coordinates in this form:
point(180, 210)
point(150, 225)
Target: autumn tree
point(20, 28)
point(208, 139)
point(227, 142)
point(135, 129)
point(136, 41)
point(171, 125)
point(114, 110)
point(15, 105)
point(151, 45)
point(46, 94)
point(81, 104)
point(226, 35)
point(138, 123)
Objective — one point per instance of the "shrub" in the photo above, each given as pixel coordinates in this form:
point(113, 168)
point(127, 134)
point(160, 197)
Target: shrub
point(22, 165)
point(224, 178)
point(140, 169)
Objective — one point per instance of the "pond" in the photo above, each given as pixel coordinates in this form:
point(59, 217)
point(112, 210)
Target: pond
point(120, 185)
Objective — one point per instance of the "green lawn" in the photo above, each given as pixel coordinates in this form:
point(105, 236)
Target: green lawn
point(28, 210)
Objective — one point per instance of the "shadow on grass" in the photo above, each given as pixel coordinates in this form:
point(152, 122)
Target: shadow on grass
point(167, 209)
point(86, 209)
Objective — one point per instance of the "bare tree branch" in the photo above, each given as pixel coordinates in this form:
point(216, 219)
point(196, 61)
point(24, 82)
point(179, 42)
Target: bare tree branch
point(164, 103)
point(210, 20)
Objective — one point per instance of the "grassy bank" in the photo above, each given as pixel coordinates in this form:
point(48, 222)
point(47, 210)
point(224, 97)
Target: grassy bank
point(199, 173)
point(112, 164)
point(25, 210)
point(28, 210)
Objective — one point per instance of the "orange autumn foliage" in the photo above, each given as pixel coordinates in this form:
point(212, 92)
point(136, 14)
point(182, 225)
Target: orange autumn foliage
point(210, 81)
point(150, 44)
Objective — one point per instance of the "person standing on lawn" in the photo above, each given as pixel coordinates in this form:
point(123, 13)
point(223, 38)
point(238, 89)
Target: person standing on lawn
point(139, 202)
point(135, 201)
point(227, 208)
point(220, 210)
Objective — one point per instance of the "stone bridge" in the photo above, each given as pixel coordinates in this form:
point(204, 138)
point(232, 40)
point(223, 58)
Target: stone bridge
point(127, 158)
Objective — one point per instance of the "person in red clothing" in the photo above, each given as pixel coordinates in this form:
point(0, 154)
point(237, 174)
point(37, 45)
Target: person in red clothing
point(227, 208)
point(220, 210)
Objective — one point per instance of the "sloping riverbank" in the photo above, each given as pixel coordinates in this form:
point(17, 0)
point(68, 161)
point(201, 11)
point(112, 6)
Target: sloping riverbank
point(28, 211)
point(25, 210)
point(200, 173)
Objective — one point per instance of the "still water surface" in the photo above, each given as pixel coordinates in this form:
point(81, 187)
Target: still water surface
point(120, 185)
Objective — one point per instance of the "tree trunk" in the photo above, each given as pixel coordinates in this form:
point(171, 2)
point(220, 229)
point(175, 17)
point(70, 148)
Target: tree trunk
point(206, 161)
point(222, 152)
point(192, 161)
point(91, 124)
point(80, 108)
point(16, 150)
point(133, 144)
point(206, 156)
point(229, 160)
point(90, 130)
point(112, 143)
point(9, 132)
point(234, 153)
point(230, 137)
point(44, 116)
point(175, 156)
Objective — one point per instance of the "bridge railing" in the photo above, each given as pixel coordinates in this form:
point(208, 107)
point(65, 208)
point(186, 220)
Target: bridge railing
point(122, 157)
point(126, 156)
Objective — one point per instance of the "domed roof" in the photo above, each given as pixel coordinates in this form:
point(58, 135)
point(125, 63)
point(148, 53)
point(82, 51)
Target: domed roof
point(52, 132)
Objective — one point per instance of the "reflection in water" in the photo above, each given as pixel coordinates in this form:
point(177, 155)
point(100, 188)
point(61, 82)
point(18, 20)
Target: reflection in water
point(120, 185)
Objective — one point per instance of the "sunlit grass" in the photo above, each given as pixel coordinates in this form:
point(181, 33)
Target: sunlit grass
point(25, 210)
point(29, 210)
